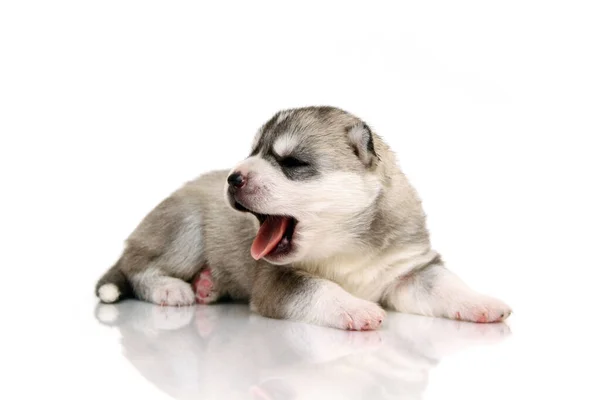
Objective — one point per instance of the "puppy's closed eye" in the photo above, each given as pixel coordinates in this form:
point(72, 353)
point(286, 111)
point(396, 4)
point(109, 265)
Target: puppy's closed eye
point(292, 162)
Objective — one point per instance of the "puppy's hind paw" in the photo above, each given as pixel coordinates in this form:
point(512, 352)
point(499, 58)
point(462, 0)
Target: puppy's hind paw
point(175, 292)
point(205, 288)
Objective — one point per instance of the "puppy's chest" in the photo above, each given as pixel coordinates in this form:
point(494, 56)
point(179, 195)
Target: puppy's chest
point(366, 278)
point(369, 277)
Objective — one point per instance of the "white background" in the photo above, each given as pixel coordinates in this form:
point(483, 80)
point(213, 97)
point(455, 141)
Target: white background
point(492, 107)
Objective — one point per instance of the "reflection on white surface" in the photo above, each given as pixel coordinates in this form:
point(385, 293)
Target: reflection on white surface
point(226, 352)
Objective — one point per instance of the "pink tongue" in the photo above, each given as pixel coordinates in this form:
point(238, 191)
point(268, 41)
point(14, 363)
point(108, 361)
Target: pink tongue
point(268, 236)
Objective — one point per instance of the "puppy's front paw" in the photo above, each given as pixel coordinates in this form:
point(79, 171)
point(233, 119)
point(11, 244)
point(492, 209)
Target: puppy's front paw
point(361, 315)
point(482, 309)
point(174, 293)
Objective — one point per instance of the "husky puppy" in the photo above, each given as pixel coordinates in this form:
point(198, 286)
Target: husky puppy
point(318, 224)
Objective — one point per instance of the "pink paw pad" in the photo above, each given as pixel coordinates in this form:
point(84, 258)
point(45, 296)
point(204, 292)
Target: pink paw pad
point(482, 316)
point(482, 319)
point(204, 287)
point(368, 325)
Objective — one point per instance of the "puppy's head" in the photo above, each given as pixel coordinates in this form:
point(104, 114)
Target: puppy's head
point(309, 178)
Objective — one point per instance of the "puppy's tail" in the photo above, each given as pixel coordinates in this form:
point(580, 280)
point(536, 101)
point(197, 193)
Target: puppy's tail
point(114, 285)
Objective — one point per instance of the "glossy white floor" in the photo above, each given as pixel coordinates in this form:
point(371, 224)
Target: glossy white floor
point(225, 352)
point(139, 350)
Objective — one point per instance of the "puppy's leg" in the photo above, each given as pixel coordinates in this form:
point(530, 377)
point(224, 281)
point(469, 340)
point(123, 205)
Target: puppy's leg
point(285, 293)
point(153, 286)
point(163, 254)
point(437, 292)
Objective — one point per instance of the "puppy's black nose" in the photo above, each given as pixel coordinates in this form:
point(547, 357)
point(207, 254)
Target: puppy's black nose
point(236, 180)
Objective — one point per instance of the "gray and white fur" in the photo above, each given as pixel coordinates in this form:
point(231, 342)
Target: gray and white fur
point(359, 245)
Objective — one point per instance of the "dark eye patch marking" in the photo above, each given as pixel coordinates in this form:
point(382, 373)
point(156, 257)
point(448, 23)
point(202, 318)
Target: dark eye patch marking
point(292, 162)
point(296, 167)
point(301, 165)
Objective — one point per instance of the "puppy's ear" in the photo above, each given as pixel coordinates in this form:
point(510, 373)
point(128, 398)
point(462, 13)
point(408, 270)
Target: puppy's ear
point(361, 139)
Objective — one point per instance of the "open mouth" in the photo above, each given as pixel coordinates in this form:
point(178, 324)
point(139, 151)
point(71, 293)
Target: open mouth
point(275, 235)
